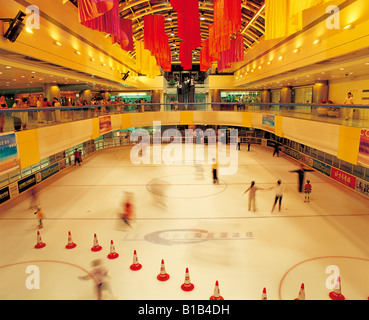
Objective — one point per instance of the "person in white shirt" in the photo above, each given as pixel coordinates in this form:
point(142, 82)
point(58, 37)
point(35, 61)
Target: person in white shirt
point(278, 195)
point(350, 101)
point(57, 112)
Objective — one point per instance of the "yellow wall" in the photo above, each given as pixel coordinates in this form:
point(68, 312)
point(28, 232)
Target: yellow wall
point(28, 148)
point(348, 144)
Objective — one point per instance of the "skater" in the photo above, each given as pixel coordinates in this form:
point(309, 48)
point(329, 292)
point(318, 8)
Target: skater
point(215, 172)
point(239, 143)
point(35, 199)
point(307, 189)
point(276, 149)
point(127, 214)
point(40, 216)
point(252, 189)
point(77, 157)
point(301, 176)
point(278, 195)
point(248, 141)
point(99, 273)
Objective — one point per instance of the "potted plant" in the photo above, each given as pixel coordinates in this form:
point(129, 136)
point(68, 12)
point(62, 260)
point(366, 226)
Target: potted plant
point(171, 83)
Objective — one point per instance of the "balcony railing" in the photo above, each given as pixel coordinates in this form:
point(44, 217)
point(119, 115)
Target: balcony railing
point(17, 119)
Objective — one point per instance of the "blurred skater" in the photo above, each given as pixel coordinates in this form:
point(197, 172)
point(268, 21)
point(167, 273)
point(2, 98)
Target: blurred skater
point(128, 209)
point(301, 176)
point(215, 171)
point(39, 215)
point(252, 189)
point(99, 274)
point(35, 199)
point(307, 189)
point(278, 189)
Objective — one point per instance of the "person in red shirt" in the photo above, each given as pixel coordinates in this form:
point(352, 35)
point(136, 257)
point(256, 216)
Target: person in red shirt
point(77, 157)
point(307, 189)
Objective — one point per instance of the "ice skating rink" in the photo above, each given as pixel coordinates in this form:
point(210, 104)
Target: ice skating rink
point(183, 218)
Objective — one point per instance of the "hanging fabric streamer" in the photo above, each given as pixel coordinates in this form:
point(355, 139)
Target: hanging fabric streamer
point(108, 22)
point(157, 41)
point(91, 9)
point(188, 18)
point(145, 62)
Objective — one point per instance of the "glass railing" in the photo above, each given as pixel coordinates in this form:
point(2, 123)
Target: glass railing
point(17, 119)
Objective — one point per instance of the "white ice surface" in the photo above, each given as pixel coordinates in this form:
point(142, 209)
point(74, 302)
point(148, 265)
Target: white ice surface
point(189, 222)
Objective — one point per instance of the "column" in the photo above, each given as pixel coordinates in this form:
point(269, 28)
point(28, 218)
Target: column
point(320, 91)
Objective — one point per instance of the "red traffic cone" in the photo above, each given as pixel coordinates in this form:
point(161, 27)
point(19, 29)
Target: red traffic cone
point(135, 266)
point(96, 246)
point(301, 293)
point(216, 295)
point(336, 293)
point(70, 244)
point(187, 285)
point(112, 254)
point(264, 295)
point(39, 244)
point(162, 276)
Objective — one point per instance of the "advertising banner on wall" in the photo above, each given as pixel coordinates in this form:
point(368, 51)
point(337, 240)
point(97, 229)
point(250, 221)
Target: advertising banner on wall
point(363, 157)
point(8, 153)
point(26, 183)
point(4, 194)
point(320, 166)
point(343, 177)
point(105, 124)
point(268, 122)
point(362, 186)
point(47, 172)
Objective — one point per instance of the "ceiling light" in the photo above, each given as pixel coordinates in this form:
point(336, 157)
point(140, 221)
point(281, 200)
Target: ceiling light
point(29, 30)
point(77, 52)
point(57, 43)
point(316, 41)
point(8, 67)
point(92, 59)
point(280, 58)
point(296, 50)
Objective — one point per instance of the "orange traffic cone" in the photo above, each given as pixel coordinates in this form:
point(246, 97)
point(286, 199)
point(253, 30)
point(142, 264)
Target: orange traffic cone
point(112, 254)
point(216, 295)
point(336, 293)
point(70, 244)
point(264, 295)
point(187, 285)
point(162, 276)
point(39, 244)
point(301, 293)
point(135, 265)
point(96, 246)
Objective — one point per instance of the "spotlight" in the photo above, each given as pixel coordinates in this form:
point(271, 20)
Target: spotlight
point(16, 26)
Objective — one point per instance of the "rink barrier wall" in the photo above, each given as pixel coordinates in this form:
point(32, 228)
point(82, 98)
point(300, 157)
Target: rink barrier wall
point(34, 146)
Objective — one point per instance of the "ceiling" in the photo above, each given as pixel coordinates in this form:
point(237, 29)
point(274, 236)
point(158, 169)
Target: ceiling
point(253, 20)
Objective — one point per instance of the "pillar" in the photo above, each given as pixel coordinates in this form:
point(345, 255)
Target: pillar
point(86, 95)
point(286, 95)
point(265, 96)
point(320, 91)
point(215, 98)
point(51, 91)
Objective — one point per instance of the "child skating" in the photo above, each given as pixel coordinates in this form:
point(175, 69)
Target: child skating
point(39, 215)
point(307, 190)
point(127, 213)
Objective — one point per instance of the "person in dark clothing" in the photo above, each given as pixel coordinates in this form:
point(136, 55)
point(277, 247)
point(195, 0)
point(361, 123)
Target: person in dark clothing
point(77, 157)
point(301, 176)
point(276, 149)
